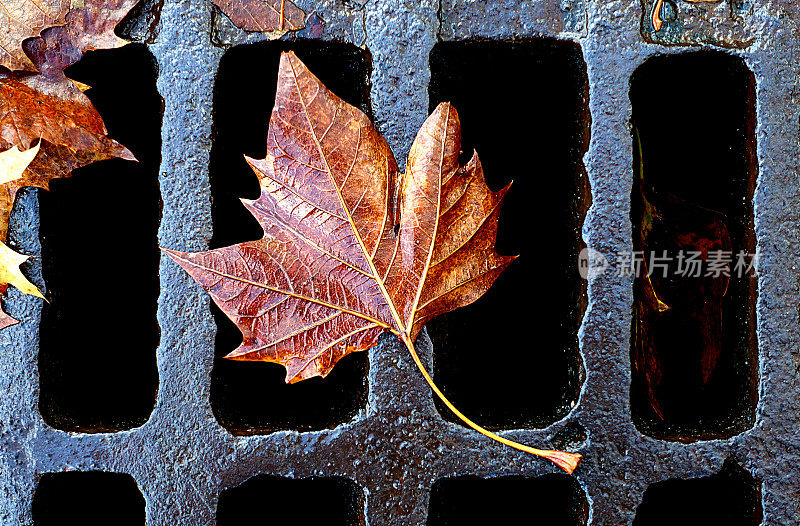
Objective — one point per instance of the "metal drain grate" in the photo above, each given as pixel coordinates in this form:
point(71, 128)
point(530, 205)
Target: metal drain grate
point(397, 447)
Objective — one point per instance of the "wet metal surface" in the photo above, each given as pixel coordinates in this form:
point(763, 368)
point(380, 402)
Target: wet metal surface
point(395, 449)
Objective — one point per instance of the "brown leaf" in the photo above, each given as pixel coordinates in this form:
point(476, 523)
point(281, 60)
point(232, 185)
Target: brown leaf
point(676, 302)
point(351, 250)
point(459, 214)
point(309, 292)
point(50, 107)
point(90, 27)
point(330, 275)
point(23, 19)
point(263, 15)
point(36, 107)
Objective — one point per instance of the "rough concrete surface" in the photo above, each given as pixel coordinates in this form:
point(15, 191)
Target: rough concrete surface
point(399, 446)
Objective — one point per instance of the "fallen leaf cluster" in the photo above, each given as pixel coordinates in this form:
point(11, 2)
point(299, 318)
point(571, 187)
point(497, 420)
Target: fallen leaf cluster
point(48, 127)
point(353, 249)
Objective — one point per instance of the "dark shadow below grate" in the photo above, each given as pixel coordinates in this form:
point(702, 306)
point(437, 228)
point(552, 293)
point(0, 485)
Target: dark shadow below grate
point(731, 497)
point(251, 397)
point(88, 498)
point(511, 359)
point(554, 500)
point(332, 501)
point(100, 260)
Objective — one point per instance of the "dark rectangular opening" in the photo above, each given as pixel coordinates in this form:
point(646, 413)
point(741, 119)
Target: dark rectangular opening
point(333, 501)
point(523, 108)
point(694, 353)
point(731, 497)
point(88, 498)
point(99, 332)
point(554, 500)
point(252, 397)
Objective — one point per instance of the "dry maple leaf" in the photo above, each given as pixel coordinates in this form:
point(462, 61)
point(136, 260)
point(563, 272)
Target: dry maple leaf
point(71, 131)
point(694, 305)
point(263, 15)
point(87, 28)
point(350, 250)
point(24, 19)
point(52, 109)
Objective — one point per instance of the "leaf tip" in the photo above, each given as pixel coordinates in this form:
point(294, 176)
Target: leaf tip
point(6, 320)
point(174, 255)
point(253, 163)
point(500, 195)
point(445, 108)
point(289, 60)
point(127, 155)
point(292, 379)
point(80, 85)
point(236, 355)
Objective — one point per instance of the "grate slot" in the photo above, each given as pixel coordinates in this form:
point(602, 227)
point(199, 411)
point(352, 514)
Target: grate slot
point(523, 108)
point(88, 498)
point(694, 365)
point(555, 500)
point(100, 260)
point(731, 497)
point(333, 501)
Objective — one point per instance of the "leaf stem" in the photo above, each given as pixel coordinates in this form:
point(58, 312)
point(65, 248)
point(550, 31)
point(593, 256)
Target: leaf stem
point(655, 17)
point(566, 461)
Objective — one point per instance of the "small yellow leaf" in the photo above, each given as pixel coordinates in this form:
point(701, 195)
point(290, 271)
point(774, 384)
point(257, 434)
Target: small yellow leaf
point(13, 162)
point(80, 85)
point(11, 274)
